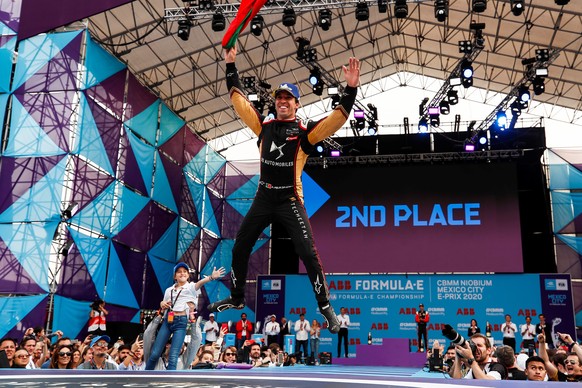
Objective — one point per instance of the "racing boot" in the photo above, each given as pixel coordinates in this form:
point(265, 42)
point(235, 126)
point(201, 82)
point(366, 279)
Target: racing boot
point(228, 303)
point(333, 324)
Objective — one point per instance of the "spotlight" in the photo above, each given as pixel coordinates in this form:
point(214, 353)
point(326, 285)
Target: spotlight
point(289, 17)
point(479, 6)
point(372, 130)
point(400, 9)
point(319, 148)
point(441, 10)
point(482, 137)
point(542, 55)
point(523, 94)
point(466, 73)
point(542, 71)
point(334, 153)
point(469, 145)
point(423, 126)
point(249, 83)
point(538, 86)
point(479, 40)
point(517, 7)
point(561, 2)
point(445, 107)
point(453, 97)
point(302, 45)
point(324, 19)
point(501, 120)
point(360, 117)
point(335, 100)
point(465, 46)
point(383, 6)
point(257, 25)
point(434, 116)
point(362, 11)
point(318, 89)
point(315, 76)
point(218, 21)
point(184, 29)
point(205, 5)
point(310, 55)
point(455, 81)
point(515, 108)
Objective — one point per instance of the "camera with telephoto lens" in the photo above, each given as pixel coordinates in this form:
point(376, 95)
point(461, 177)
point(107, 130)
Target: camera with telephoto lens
point(457, 339)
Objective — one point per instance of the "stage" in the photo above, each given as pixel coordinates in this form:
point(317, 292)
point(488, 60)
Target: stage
point(295, 376)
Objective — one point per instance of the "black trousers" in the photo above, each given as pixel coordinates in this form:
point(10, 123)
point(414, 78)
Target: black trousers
point(284, 207)
point(343, 334)
point(422, 332)
point(509, 342)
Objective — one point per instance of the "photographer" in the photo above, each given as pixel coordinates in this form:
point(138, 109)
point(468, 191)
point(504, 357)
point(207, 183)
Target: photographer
point(478, 361)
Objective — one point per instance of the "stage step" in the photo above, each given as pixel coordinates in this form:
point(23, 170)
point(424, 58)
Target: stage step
point(392, 352)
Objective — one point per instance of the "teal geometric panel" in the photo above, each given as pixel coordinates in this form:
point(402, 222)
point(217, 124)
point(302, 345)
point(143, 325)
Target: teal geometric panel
point(6, 55)
point(3, 102)
point(214, 163)
point(95, 252)
point(34, 53)
point(564, 176)
point(96, 216)
point(144, 155)
point(197, 166)
point(30, 243)
point(119, 290)
point(42, 202)
point(27, 138)
point(162, 190)
point(90, 144)
point(170, 123)
point(100, 64)
point(221, 257)
point(247, 190)
point(70, 316)
point(572, 241)
point(164, 271)
point(165, 247)
point(187, 234)
point(127, 205)
point(566, 207)
point(203, 206)
point(145, 123)
point(14, 310)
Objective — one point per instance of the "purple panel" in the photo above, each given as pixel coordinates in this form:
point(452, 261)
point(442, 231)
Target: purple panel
point(133, 263)
point(57, 74)
point(146, 228)
point(235, 182)
point(121, 313)
point(53, 112)
point(217, 207)
point(174, 147)
point(192, 146)
point(41, 16)
point(192, 251)
point(217, 183)
point(110, 92)
point(138, 97)
point(208, 246)
point(110, 130)
point(574, 226)
point(5, 38)
point(231, 221)
point(89, 183)
point(10, 14)
point(36, 317)
point(76, 281)
point(18, 175)
point(129, 171)
point(186, 205)
point(13, 277)
point(153, 293)
point(174, 174)
point(568, 260)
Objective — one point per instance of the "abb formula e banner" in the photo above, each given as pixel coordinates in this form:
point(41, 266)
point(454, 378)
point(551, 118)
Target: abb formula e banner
point(416, 218)
point(385, 305)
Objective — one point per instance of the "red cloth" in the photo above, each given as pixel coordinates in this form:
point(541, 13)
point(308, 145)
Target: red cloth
point(246, 12)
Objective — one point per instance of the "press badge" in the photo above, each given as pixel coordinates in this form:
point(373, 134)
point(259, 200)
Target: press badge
point(170, 317)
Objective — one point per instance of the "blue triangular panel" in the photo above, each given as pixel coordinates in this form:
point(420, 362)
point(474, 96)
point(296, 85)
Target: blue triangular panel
point(573, 242)
point(565, 176)
point(42, 202)
point(3, 101)
point(566, 207)
point(27, 138)
point(217, 291)
point(136, 318)
point(214, 163)
point(90, 142)
point(240, 205)
point(6, 55)
point(144, 155)
point(30, 243)
point(166, 246)
point(197, 165)
point(145, 123)
point(208, 217)
point(246, 191)
point(94, 252)
point(163, 270)
point(162, 190)
point(96, 216)
point(15, 308)
point(170, 123)
point(5, 30)
point(186, 234)
point(35, 52)
point(119, 290)
point(70, 316)
point(100, 64)
point(313, 194)
point(128, 204)
point(197, 192)
point(260, 242)
point(221, 257)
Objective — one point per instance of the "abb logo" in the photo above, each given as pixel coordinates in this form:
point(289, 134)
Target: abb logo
point(340, 285)
point(435, 326)
point(407, 311)
point(297, 310)
point(354, 341)
point(526, 312)
point(465, 311)
point(380, 326)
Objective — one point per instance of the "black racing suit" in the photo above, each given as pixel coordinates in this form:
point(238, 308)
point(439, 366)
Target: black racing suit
point(284, 146)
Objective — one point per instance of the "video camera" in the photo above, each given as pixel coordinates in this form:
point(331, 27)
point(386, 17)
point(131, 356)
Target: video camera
point(457, 339)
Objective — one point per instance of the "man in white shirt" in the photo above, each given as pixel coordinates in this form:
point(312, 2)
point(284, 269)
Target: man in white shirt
point(508, 329)
point(302, 329)
point(344, 320)
point(528, 333)
point(211, 329)
point(272, 330)
point(479, 363)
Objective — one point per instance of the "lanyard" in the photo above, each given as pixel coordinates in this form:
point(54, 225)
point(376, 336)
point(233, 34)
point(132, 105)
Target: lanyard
point(172, 300)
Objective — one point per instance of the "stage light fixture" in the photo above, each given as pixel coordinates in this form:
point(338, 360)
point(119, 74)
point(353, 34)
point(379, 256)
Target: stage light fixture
point(445, 108)
point(423, 125)
point(218, 21)
point(318, 89)
point(324, 19)
point(515, 108)
point(562, 2)
point(257, 25)
point(501, 120)
point(373, 111)
point(383, 6)
point(372, 130)
point(453, 97)
point(302, 45)
point(400, 9)
point(253, 97)
point(184, 29)
point(249, 83)
point(315, 76)
point(441, 10)
point(465, 46)
point(362, 11)
point(335, 100)
point(289, 18)
point(469, 145)
point(434, 116)
point(517, 7)
point(523, 94)
point(542, 55)
point(205, 5)
point(539, 86)
point(335, 153)
point(482, 137)
point(466, 73)
point(479, 6)
point(310, 55)
point(542, 72)
point(455, 81)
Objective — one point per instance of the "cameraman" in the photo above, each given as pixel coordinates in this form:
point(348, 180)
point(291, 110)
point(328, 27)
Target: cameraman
point(478, 362)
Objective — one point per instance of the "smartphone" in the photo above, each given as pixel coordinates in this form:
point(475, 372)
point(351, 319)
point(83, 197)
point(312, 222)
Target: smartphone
point(280, 358)
point(530, 350)
point(140, 337)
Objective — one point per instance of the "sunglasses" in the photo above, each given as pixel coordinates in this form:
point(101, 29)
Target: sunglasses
point(229, 354)
point(572, 362)
point(22, 356)
point(65, 354)
point(101, 344)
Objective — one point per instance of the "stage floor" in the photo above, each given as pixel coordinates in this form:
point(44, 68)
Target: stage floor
point(296, 376)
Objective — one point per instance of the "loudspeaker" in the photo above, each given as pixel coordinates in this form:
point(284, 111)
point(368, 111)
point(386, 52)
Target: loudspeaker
point(325, 358)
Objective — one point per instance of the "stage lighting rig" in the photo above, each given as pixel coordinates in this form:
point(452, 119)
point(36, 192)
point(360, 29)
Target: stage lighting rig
point(289, 18)
point(465, 46)
point(441, 10)
point(184, 29)
point(561, 2)
point(257, 25)
point(542, 55)
point(538, 85)
point(517, 7)
point(453, 97)
point(218, 21)
point(205, 5)
point(423, 125)
point(434, 116)
point(400, 9)
point(362, 11)
point(383, 6)
point(324, 19)
point(444, 107)
point(501, 120)
point(479, 6)
point(302, 45)
point(310, 55)
point(467, 73)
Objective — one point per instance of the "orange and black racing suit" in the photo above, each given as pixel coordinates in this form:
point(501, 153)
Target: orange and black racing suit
point(284, 146)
